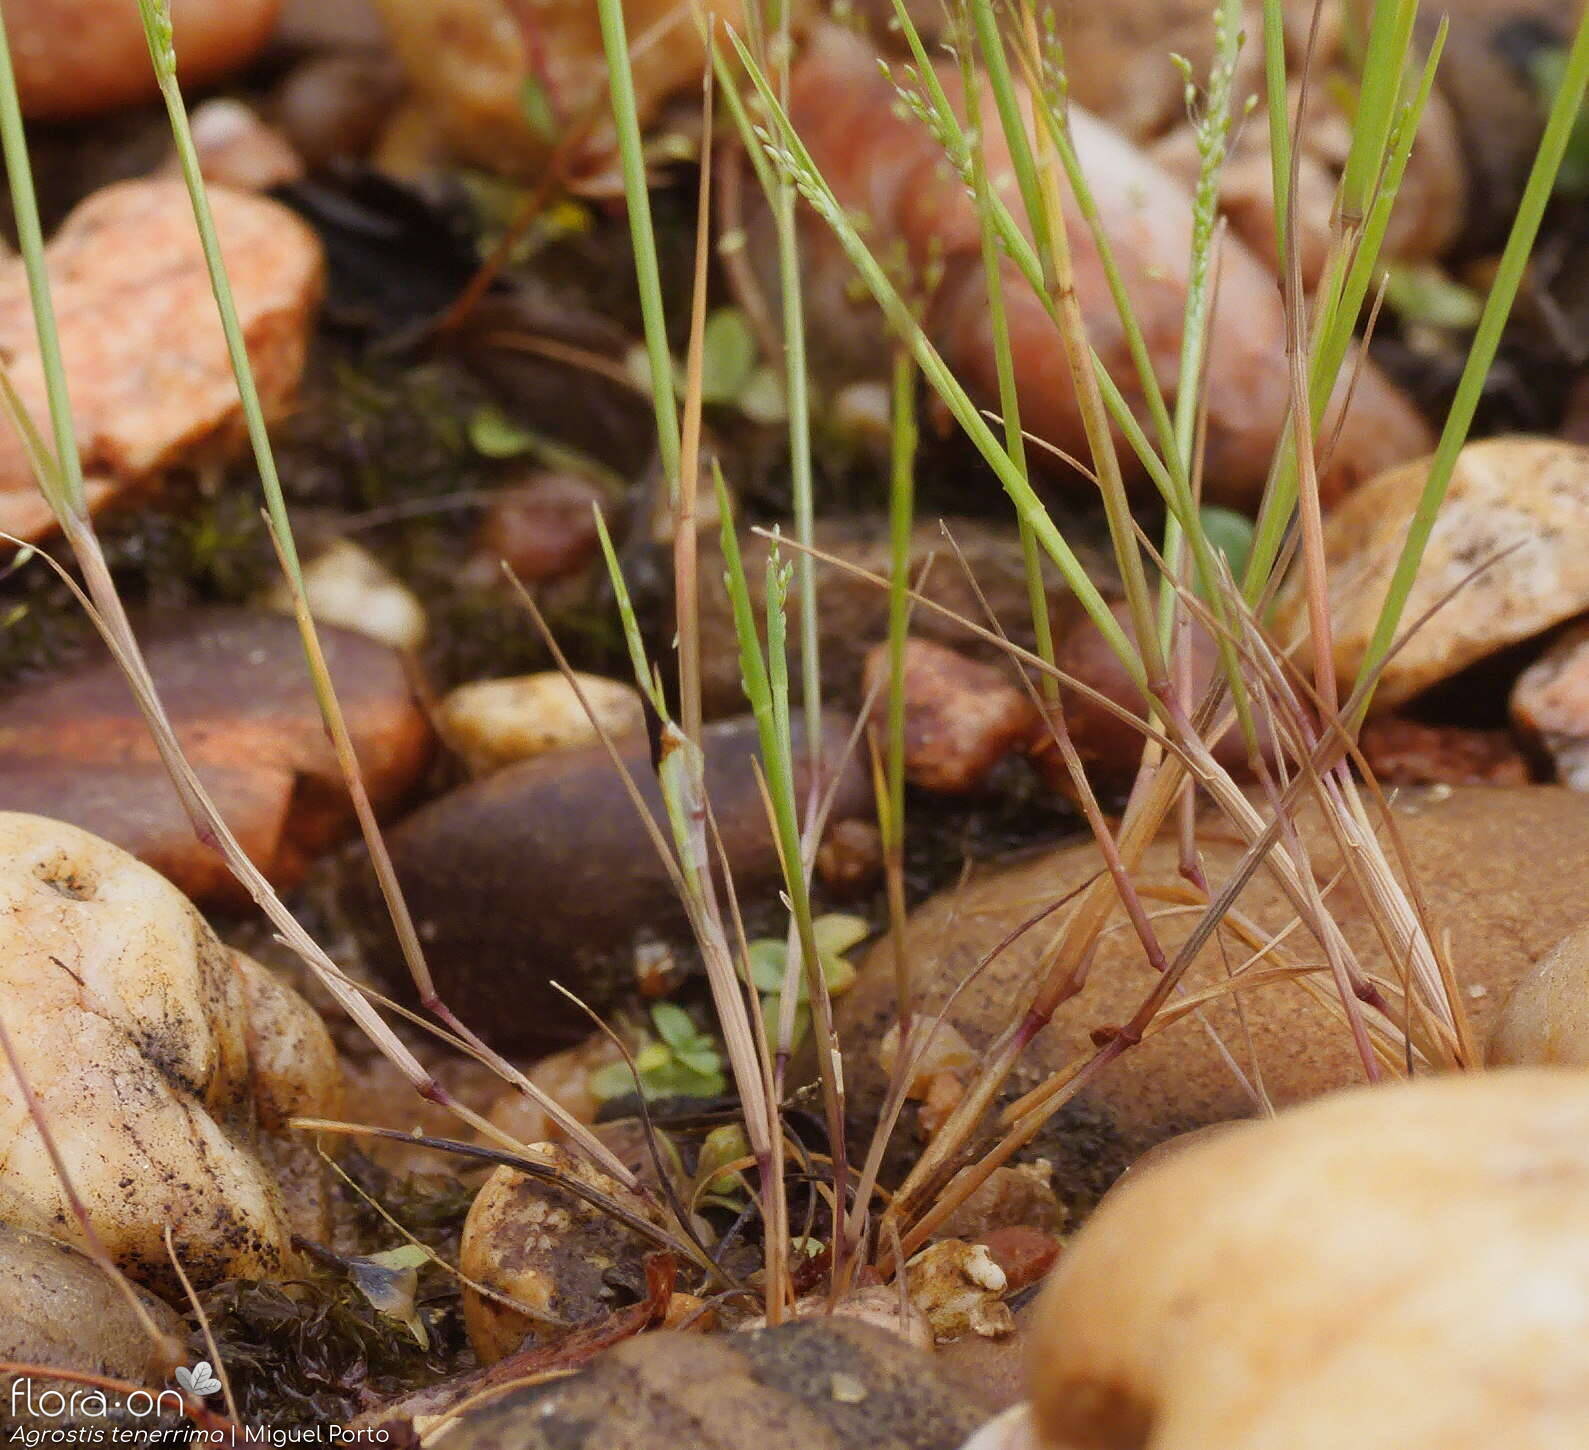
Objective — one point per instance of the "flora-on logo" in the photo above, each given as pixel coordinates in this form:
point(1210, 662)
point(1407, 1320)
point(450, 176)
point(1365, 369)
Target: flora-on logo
point(200, 1380)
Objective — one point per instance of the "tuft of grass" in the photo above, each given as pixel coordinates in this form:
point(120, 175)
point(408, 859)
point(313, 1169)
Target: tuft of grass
point(1185, 582)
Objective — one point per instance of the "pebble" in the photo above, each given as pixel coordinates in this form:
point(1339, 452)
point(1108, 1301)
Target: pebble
point(545, 1249)
point(541, 872)
point(334, 106)
point(543, 528)
point(1517, 512)
point(236, 688)
point(349, 588)
point(565, 1077)
point(77, 58)
point(1550, 705)
point(472, 63)
point(237, 148)
point(880, 162)
point(1545, 1021)
point(1452, 1205)
point(1408, 752)
point(852, 612)
point(146, 361)
point(158, 1056)
point(961, 717)
point(818, 1383)
point(1488, 861)
point(1023, 1254)
point(1019, 1195)
point(329, 25)
point(850, 858)
point(492, 723)
point(58, 1308)
point(993, 1371)
point(960, 1288)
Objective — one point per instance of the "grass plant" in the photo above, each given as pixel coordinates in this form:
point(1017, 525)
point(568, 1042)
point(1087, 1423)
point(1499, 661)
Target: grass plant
point(1011, 74)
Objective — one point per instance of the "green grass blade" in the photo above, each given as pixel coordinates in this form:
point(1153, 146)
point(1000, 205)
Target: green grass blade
point(1509, 274)
point(637, 195)
point(62, 488)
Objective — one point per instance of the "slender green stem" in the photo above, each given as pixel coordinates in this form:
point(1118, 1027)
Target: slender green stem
point(901, 517)
point(1384, 69)
point(1274, 69)
point(68, 477)
point(637, 196)
point(1003, 353)
point(1350, 274)
point(798, 399)
point(1213, 131)
point(1509, 274)
point(157, 30)
point(789, 152)
point(1089, 398)
point(765, 678)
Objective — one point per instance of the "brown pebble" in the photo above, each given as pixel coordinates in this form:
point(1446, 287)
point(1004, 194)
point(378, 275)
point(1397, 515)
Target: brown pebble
point(544, 528)
point(688, 1312)
point(335, 105)
point(155, 388)
point(237, 149)
point(1020, 1193)
point(1025, 1254)
point(239, 696)
point(961, 717)
point(555, 841)
point(1550, 705)
point(1406, 752)
point(83, 57)
point(850, 858)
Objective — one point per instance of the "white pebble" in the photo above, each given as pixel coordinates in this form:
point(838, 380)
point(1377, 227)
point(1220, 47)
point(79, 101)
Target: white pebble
point(346, 586)
point(492, 723)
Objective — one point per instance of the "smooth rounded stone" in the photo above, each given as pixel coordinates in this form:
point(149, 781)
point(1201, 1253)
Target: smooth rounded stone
point(1550, 705)
point(473, 62)
point(237, 691)
point(962, 717)
point(882, 163)
point(991, 1371)
point(852, 612)
point(565, 1077)
point(146, 362)
point(1394, 1268)
point(850, 858)
point(1020, 1195)
point(157, 1057)
point(1511, 539)
point(811, 1384)
point(1488, 862)
point(546, 1249)
point(542, 528)
point(330, 25)
point(542, 872)
point(333, 106)
point(492, 723)
point(1545, 1022)
point(348, 587)
point(81, 57)
point(58, 1308)
point(237, 148)
point(1408, 752)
